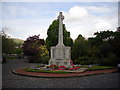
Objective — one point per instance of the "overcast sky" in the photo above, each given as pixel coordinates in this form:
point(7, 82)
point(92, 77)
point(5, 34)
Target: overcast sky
point(24, 19)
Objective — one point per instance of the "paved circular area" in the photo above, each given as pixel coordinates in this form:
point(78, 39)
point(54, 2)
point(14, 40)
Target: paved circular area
point(53, 75)
point(10, 80)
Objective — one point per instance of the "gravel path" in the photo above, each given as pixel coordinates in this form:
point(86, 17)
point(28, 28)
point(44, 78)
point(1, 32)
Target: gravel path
point(11, 80)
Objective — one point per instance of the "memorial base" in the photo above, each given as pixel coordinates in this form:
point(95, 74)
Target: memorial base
point(60, 55)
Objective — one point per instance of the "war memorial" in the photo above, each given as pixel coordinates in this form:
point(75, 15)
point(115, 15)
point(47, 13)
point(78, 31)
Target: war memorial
point(60, 54)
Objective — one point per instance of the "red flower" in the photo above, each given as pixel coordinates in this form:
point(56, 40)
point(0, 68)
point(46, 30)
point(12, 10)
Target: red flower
point(76, 67)
point(62, 67)
point(53, 66)
point(71, 68)
point(71, 61)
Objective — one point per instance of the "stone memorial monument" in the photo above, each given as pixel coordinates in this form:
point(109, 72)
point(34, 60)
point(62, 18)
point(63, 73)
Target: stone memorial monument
point(60, 54)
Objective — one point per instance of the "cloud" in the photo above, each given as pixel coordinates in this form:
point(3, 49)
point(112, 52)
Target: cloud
point(103, 25)
point(23, 28)
point(79, 20)
point(98, 9)
point(76, 13)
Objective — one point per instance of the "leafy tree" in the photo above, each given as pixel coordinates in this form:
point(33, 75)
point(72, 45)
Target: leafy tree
point(34, 48)
point(32, 44)
point(80, 48)
point(102, 49)
point(43, 50)
point(107, 46)
point(52, 38)
point(8, 44)
point(44, 54)
point(18, 49)
point(115, 46)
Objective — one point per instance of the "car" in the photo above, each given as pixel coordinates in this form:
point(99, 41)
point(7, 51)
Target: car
point(118, 67)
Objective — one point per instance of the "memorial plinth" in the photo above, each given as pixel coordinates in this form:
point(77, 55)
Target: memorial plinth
point(60, 54)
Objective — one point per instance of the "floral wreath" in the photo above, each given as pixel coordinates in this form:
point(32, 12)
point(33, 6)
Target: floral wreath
point(53, 66)
point(62, 67)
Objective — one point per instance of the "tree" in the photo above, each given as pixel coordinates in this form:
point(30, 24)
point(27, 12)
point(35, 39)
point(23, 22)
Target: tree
point(34, 48)
point(80, 48)
point(115, 45)
point(32, 44)
point(8, 44)
point(107, 47)
point(52, 38)
point(44, 54)
point(18, 50)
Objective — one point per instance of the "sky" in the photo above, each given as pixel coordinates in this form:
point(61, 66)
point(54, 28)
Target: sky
point(24, 19)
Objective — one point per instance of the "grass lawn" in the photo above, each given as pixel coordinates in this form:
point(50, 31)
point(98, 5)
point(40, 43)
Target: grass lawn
point(100, 67)
point(33, 70)
point(94, 67)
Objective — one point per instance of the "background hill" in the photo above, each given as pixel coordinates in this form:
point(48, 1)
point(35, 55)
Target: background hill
point(18, 41)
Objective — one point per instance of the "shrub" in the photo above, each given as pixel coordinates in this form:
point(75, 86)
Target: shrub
point(45, 59)
point(34, 59)
point(37, 59)
point(84, 60)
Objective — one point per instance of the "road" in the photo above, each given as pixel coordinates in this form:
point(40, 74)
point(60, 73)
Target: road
point(10, 80)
